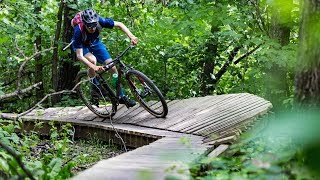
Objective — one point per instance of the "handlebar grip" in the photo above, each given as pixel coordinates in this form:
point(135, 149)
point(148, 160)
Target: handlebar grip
point(107, 67)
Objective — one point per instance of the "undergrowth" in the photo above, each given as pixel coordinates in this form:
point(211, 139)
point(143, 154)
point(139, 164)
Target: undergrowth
point(286, 148)
point(57, 157)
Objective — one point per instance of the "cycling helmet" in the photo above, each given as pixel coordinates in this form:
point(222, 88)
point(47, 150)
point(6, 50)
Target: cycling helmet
point(90, 16)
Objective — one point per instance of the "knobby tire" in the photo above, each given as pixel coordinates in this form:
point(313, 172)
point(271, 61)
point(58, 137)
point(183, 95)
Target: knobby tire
point(84, 90)
point(153, 101)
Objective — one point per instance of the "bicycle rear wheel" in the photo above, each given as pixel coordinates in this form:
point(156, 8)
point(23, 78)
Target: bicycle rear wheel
point(96, 98)
point(147, 93)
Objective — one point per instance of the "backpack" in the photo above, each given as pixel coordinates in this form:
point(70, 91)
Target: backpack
point(77, 20)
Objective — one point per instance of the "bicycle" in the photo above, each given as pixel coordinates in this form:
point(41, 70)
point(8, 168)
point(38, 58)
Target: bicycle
point(105, 104)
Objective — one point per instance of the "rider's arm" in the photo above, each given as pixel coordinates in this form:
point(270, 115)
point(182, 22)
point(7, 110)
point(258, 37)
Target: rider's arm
point(77, 44)
point(134, 39)
point(83, 59)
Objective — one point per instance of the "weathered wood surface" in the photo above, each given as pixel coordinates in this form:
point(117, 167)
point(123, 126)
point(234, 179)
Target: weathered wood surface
point(205, 116)
point(203, 121)
point(165, 157)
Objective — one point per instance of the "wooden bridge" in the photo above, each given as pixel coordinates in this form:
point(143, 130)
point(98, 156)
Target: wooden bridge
point(193, 127)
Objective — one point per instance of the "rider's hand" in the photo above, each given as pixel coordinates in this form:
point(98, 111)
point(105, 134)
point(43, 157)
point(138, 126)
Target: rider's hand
point(134, 40)
point(98, 68)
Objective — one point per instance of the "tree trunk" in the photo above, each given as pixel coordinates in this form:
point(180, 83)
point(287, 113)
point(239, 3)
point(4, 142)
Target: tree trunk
point(308, 69)
point(38, 61)
point(68, 69)
point(207, 82)
point(55, 58)
point(277, 88)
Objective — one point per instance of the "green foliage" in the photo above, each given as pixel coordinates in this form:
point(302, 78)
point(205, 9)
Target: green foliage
point(53, 164)
point(69, 101)
point(20, 26)
point(285, 149)
point(56, 158)
point(176, 41)
point(173, 47)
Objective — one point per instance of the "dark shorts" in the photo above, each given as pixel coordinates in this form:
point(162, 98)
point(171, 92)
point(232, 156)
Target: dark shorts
point(98, 50)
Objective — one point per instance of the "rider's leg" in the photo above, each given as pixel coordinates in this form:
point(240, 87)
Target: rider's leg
point(103, 57)
point(93, 60)
point(113, 70)
point(91, 72)
point(123, 98)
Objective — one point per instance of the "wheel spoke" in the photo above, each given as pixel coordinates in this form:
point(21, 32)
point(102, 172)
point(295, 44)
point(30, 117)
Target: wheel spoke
point(147, 94)
point(94, 97)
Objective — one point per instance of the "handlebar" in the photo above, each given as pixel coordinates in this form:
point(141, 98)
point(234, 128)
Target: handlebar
point(109, 65)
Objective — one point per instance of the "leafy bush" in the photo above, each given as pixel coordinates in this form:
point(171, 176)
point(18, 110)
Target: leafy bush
point(59, 157)
point(287, 148)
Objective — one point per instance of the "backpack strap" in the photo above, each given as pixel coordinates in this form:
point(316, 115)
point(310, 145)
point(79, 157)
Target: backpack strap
point(99, 27)
point(83, 32)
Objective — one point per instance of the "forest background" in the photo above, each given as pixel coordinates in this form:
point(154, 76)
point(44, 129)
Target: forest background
point(189, 48)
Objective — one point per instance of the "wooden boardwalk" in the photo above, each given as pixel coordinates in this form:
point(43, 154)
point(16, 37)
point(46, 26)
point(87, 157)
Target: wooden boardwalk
point(190, 129)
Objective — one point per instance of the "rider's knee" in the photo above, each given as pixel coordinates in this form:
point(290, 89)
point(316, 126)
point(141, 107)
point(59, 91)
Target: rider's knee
point(91, 58)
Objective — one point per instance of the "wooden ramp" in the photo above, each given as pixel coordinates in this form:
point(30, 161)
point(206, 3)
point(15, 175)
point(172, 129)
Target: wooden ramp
point(192, 125)
point(166, 157)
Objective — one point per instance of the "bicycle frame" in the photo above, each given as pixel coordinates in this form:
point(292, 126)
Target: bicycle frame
point(142, 88)
point(121, 72)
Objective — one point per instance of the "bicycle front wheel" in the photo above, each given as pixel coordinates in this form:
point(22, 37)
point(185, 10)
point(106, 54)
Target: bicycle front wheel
point(147, 93)
point(96, 98)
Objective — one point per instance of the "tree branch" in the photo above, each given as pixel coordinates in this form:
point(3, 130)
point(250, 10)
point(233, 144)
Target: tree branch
point(17, 158)
point(27, 59)
point(258, 18)
point(73, 90)
point(224, 68)
point(19, 50)
point(247, 54)
point(231, 60)
point(19, 92)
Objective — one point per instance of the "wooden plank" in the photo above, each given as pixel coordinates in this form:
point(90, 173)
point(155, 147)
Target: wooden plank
point(70, 112)
point(86, 115)
point(226, 121)
point(219, 150)
point(204, 114)
point(120, 109)
point(201, 106)
point(222, 109)
point(127, 114)
point(36, 112)
point(150, 117)
point(51, 111)
point(59, 113)
point(130, 173)
point(220, 114)
point(233, 120)
point(176, 109)
point(226, 140)
point(124, 112)
point(148, 158)
point(81, 110)
point(143, 116)
point(204, 119)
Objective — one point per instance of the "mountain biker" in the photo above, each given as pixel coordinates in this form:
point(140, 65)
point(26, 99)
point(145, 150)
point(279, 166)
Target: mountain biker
point(89, 49)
